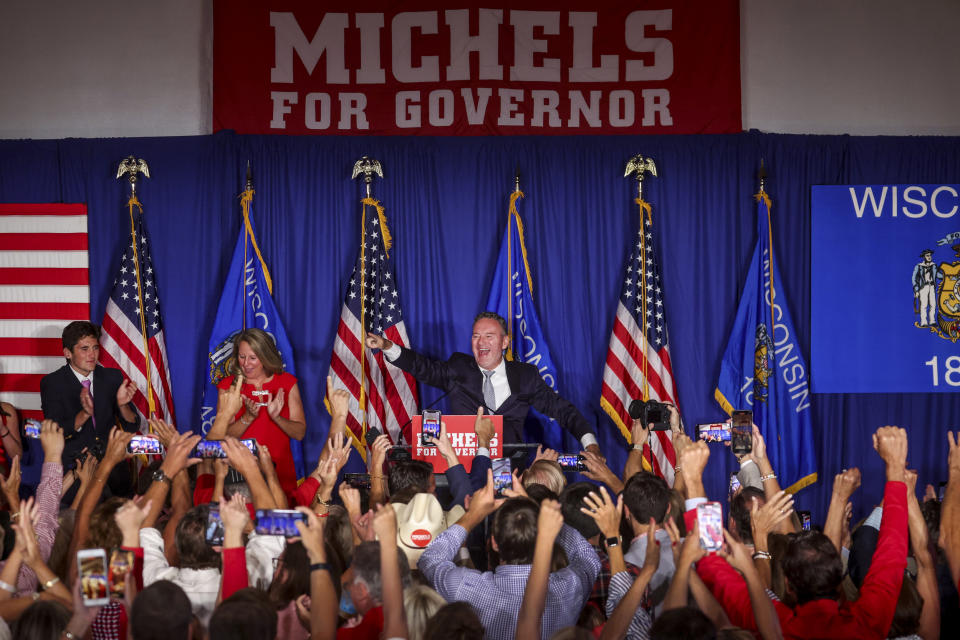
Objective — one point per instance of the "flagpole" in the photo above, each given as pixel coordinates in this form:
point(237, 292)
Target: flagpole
point(513, 199)
point(640, 166)
point(245, 198)
point(367, 167)
point(762, 174)
point(132, 166)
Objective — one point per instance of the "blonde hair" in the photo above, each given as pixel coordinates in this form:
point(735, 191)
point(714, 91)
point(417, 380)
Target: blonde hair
point(545, 472)
point(263, 346)
point(420, 602)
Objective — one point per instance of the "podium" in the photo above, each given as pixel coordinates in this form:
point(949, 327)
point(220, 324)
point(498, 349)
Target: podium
point(461, 435)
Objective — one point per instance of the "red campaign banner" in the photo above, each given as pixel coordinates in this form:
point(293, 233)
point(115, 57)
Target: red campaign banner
point(462, 437)
point(427, 68)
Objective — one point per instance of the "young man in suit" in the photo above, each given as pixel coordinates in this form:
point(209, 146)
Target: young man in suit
point(87, 399)
point(505, 388)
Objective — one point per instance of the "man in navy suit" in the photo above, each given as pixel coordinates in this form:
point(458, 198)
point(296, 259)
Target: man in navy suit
point(84, 398)
point(486, 379)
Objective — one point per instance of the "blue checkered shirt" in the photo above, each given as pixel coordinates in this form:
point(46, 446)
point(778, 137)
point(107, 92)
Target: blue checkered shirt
point(497, 595)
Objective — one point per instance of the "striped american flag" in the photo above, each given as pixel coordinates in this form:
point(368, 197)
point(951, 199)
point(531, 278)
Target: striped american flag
point(389, 394)
point(44, 285)
point(124, 340)
point(635, 357)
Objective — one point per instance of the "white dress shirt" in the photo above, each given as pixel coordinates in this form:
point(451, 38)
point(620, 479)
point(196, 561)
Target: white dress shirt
point(501, 387)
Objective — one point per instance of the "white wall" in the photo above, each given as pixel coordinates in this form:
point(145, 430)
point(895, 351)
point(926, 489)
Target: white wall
point(95, 68)
point(92, 68)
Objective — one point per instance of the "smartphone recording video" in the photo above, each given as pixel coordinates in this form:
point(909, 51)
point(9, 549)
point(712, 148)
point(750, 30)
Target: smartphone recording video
point(431, 427)
point(92, 564)
point(741, 432)
point(213, 534)
point(121, 564)
point(279, 522)
point(710, 524)
point(31, 428)
point(571, 462)
point(357, 480)
point(714, 432)
point(502, 478)
point(805, 521)
point(147, 445)
point(214, 448)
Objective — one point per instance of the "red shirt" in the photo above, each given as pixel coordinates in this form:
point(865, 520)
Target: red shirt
point(869, 617)
point(266, 431)
point(369, 628)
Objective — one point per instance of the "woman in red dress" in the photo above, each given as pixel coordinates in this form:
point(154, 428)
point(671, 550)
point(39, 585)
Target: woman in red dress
point(272, 411)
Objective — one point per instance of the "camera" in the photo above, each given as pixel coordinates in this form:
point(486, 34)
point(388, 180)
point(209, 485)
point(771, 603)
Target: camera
point(651, 412)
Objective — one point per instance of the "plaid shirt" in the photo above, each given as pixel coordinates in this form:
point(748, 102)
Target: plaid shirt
point(497, 595)
point(601, 588)
point(48, 511)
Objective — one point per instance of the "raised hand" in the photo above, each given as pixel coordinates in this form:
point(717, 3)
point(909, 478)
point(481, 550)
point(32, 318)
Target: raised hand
point(178, 454)
point(339, 399)
point(275, 405)
point(442, 442)
point(764, 519)
point(483, 501)
point(484, 429)
point(51, 439)
point(11, 485)
point(116, 447)
point(736, 554)
point(374, 341)
point(759, 451)
point(126, 392)
point(85, 469)
point(230, 401)
point(234, 515)
point(351, 500)
point(163, 431)
point(680, 442)
point(604, 512)
point(129, 517)
point(240, 457)
point(639, 432)
point(339, 450)
point(311, 535)
point(891, 444)
point(221, 468)
point(598, 470)
point(693, 460)
point(26, 540)
point(516, 490)
point(265, 461)
point(845, 483)
point(546, 454)
point(651, 559)
point(385, 523)
point(549, 520)
point(252, 409)
point(953, 454)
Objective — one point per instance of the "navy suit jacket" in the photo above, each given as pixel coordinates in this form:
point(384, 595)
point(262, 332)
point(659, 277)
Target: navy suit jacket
point(461, 377)
point(60, 400)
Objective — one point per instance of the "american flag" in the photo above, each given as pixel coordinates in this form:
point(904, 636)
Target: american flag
point(390, 394)
point(628, 365)
point(44, 285)
point(122, 341)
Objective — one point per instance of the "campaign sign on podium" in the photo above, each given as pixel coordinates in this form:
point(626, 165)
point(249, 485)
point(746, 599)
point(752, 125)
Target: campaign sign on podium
point(463, 438)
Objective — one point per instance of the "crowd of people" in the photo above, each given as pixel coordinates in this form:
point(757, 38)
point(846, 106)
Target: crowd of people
point(623, 555)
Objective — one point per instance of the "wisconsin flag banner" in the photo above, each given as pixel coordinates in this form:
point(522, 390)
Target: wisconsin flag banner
point(246, 303)
point(764, 370)
point(511, 296)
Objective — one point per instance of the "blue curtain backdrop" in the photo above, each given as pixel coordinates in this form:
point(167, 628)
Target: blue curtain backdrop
point(446, 202)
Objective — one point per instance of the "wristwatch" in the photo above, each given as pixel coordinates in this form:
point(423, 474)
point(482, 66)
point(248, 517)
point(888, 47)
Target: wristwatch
point(160, 476)
point(613, 542)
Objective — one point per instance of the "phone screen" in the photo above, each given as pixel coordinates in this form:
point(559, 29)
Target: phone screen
point(357, 480)
point(710, 523)
point(431, 427)
point(93, 576)
point(31, 428)
point(144, 444)
point(214, 531)
point(209, 449)
point(734, 484)
point(501, 475)
point(121, 564)
point(278, 522)
point(741, 432)
point(249, 443)
point(714, 432)
point(568, 460)
point(804, 520)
